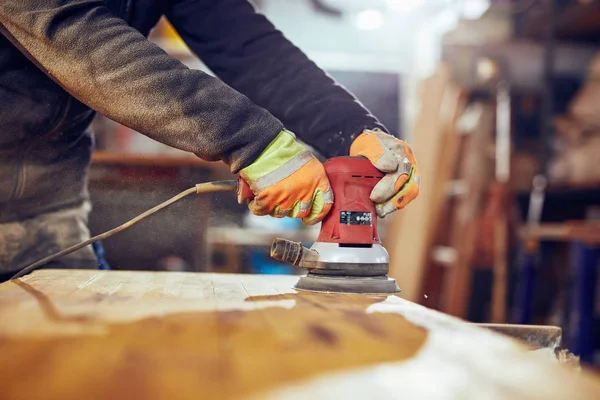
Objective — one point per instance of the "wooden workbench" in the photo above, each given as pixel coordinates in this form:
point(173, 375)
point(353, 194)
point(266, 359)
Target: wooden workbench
point(157, 335)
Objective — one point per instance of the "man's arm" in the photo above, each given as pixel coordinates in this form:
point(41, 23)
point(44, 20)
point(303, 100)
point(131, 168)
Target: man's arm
point(114, 70)
point(245, 50)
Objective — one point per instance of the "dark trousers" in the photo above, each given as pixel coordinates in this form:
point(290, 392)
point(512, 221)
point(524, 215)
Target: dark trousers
point(24, 242)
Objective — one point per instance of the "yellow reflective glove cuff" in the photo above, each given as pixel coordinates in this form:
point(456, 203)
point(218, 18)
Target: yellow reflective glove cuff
point(281, 150)
point(287, 180)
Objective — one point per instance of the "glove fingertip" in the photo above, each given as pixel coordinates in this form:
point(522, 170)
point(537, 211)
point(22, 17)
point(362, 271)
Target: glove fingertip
point(377, 197)
point(319, 217)
point(384, 189)
point(370, 147)
point(384, 209)
point(256, 209)
point(387, 164)
point(275, 212)
point(402, 179)
point(319, 210)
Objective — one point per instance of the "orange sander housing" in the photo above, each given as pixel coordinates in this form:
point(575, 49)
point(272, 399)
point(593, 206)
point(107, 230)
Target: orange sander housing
point(348, 256)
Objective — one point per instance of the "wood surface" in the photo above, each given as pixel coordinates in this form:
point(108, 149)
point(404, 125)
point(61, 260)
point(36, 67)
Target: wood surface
point(158, 335)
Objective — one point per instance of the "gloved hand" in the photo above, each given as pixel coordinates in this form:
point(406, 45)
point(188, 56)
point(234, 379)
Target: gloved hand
point(288, 181)
point(393, 156)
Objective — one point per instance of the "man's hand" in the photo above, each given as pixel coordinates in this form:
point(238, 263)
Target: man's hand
point(288, 181)
point(393, 156)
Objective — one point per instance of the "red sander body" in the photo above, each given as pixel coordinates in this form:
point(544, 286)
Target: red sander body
point(348, 256)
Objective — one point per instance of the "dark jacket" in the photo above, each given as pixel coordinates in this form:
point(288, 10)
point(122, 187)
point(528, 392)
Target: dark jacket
point(61, 59)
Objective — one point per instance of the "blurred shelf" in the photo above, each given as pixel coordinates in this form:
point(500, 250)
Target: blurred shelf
point(573, 187)
point(566, 188)
point(574, 22)
point(129, 159)
point(588, 232)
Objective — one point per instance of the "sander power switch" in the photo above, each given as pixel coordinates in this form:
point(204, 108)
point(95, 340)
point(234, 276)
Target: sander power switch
point(356, 218)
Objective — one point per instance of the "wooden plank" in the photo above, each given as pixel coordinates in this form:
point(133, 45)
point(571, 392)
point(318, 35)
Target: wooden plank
point(408, 233)
point(500, 194)
point(501, 248)
point(444, 187)
point(475, 170)
point(157, 335)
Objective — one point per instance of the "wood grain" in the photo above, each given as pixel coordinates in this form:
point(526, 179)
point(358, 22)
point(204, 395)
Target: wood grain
point(83, 338)
point(124, 335)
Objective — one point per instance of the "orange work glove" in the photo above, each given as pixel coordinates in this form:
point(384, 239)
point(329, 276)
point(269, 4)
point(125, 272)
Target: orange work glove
point(288, 181)
point(395, 158)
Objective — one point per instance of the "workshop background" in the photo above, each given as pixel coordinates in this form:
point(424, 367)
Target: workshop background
point(500, 101)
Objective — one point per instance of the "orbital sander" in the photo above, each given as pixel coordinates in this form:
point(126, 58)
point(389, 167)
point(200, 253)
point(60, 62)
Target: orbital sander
point(348, 256)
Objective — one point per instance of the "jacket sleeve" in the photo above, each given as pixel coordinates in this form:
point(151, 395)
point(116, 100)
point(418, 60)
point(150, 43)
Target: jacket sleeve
point(245, 50)
point(113, 69)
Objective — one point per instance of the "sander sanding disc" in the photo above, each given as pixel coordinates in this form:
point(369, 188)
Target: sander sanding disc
point(347, 284)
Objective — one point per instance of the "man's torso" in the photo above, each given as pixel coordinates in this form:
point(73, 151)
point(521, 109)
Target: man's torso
point(44, 143)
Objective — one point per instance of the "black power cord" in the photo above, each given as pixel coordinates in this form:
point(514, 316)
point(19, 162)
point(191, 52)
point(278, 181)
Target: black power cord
point(208, 187)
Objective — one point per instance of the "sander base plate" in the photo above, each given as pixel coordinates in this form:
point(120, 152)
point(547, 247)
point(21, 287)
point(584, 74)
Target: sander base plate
point(380, 284)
